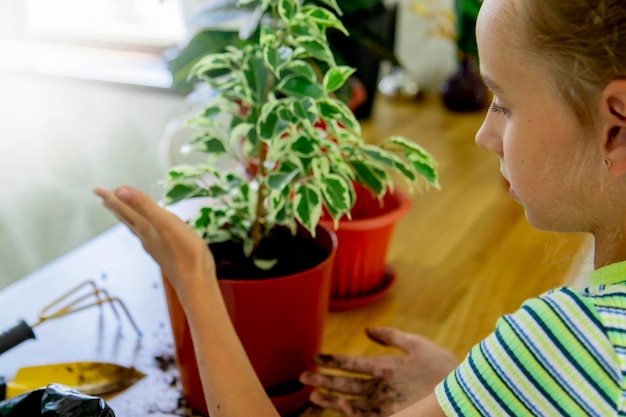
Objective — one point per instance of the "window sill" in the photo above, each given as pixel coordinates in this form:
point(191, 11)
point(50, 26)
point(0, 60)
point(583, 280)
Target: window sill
point(124, 67)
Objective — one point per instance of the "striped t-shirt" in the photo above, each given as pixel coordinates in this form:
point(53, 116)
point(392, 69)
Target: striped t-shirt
point(561, 354)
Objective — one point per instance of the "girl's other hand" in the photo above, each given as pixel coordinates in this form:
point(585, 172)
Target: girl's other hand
point(385, 384)
point(179, 251)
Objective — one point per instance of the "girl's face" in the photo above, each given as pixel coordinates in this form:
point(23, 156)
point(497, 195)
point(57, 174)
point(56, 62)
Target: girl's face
point(536, 138)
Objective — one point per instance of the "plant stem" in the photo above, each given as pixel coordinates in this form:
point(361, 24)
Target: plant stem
point(256, 233)
point(257, 227)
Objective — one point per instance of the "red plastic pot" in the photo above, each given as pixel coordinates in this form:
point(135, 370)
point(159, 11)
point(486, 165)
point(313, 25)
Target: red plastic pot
point(360, 274)
point(280, 322)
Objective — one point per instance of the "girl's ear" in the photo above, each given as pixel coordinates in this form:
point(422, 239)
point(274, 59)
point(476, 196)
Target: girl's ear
point(613, 119)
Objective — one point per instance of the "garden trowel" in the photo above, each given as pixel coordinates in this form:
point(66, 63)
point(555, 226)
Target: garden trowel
point(92, 378)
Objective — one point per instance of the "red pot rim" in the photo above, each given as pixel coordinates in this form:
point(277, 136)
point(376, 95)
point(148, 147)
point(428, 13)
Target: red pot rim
point(382, 220)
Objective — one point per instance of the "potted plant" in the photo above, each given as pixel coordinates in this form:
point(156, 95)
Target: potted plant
point(360, 273)
point(370, 23)
point(275, 109)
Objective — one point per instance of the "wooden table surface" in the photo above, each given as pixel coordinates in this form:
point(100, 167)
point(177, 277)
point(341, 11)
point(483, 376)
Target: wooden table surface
point(463, 256)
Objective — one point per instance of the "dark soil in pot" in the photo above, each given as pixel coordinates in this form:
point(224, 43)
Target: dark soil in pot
point(294, 254)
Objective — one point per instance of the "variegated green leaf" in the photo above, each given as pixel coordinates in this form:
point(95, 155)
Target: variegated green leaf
point(304, 147)
point(308, 206)
point(295, 86)
point(424, 168)
point(336, 77)
point(324, 18)
point(336, 192)
point(304, 109)
point(310, 47)
point(412, 146)
point(248, 247)
point(267, 36)
point(184, 171)
point(207, 142)
point(240, 132)
point(270, 127)
point(276, 59)
point(302, 68)
point(333, 109)
point(287, 9)
point(280, 181)
point(371, 176)
point(255, 73)
point(212, 62)
point(334, 5)
point(320, 167)
point(181, 191)
point(391, 160)
point(264, 264)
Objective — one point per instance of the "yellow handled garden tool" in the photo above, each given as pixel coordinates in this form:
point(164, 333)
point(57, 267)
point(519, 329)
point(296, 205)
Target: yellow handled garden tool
point(92, 378)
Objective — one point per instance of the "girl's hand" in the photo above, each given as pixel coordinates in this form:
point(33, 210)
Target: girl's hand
point(179, 251)
point(387, 384)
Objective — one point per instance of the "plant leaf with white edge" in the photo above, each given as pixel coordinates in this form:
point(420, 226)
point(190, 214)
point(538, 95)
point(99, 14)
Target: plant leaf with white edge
point(301, 68)
point(425, 169)
point(240, 131)
point(304, 146)
point(269, 125)
point(412, 146)
point(276, 59)
point(334, 5)
point(320, 167)
point(287, 9)
point(267, 36)
point(264, 264)
point(336, 192)
point(212, 62)
point(269, 108)
point(324, 18)
point(336, 77)
point(371, 176)
point(255, 74)
point(391, 160)
point(333, 109)
point(280, 181)
point(311, 47)
point(248, 247)
point(423, 162)
point(304, 109)
point(181, 191)
point(296, 86)
point(208, 143)
point(308, 206)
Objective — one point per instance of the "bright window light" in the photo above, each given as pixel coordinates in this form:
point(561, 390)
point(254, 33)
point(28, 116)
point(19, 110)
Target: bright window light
point(153, 22)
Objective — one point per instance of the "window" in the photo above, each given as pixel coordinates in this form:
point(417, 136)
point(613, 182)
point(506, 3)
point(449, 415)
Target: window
point(151, 23)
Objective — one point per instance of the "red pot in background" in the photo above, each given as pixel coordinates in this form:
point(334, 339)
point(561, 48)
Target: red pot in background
point(360, 274)
point(280, 322)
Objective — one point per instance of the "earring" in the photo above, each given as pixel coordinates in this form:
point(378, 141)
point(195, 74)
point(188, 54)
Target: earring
point(608, 163)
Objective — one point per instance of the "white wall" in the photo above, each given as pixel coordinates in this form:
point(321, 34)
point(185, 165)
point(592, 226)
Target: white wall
point(429, 57)
point(58, 140)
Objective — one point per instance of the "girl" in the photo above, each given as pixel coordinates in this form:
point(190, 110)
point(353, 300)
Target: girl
point(558, 126)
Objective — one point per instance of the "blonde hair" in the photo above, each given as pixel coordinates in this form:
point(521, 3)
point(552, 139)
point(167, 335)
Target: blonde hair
point(582, 43)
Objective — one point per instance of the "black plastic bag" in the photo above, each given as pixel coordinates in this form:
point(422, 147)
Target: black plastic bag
point(55, 401)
